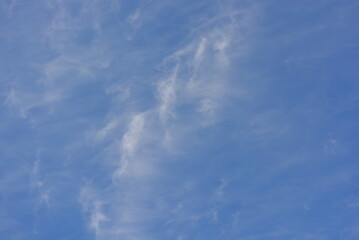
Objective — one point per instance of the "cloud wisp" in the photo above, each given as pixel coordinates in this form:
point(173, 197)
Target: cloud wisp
point(206, 119)
point(191, 89)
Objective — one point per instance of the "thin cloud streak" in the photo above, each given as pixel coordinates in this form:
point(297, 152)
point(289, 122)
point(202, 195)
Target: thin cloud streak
point(187, 81)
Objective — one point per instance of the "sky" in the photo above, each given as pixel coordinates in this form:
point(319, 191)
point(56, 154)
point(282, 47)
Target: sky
point(179, 119)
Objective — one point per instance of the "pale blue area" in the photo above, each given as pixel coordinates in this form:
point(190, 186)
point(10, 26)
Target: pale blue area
point(277, 158)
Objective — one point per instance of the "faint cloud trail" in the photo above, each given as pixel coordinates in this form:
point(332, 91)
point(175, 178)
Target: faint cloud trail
point(194, 77)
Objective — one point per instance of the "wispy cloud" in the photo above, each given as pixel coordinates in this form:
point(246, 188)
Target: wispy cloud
point(190, 88)
point(37, 183)
point(178, 119)
point(129, 144)
point(93, 209)
point(167, 95)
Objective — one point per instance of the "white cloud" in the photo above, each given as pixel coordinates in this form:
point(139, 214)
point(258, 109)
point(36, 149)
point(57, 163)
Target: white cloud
point(93, 208)
point(110, 129)
point(167, 93)
point(134, 18)
point(39, 183)
point(199, 53)
point(74, 64)
point(192, 78)
point(130, 142)
point(132, 137)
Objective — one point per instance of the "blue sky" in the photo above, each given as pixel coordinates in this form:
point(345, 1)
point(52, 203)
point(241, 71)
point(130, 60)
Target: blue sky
point(184, 120)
